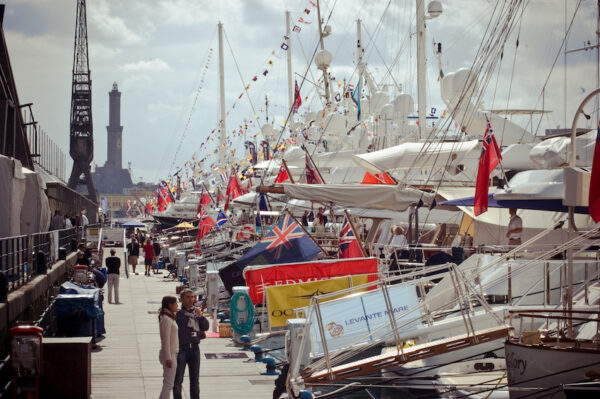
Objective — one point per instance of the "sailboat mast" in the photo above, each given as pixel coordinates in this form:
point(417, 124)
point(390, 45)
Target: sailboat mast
point(359, 51)
point(222, 95)
point(288, 41)
point(421, 66)
point(323, 65)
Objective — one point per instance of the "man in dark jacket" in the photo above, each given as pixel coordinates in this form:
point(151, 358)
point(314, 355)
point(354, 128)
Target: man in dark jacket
point(113, 264)
point(191, 325)
point(156, 254)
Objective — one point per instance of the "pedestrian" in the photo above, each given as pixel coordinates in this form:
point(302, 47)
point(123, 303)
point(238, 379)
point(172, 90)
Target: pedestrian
point(169, 343)
point(191, 325)
point(515, 228)
point(113, 264)
point(397, 243)
point(68, 223)
point(133, 250)
point(57, 222)
point(84, 219)
point(148, 256)
point(157, 249)
point(305, 219)
point(82, 259)
point(244, 219)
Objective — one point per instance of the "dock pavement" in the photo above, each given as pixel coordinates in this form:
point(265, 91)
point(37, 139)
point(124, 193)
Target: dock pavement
point(125, 363)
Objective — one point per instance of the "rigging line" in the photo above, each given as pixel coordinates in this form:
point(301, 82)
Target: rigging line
point(512, 77)
point(556, 59)
point(292, 108)
point(192, 111)
point(383, 61)
point(241, 78)
point(180, 116)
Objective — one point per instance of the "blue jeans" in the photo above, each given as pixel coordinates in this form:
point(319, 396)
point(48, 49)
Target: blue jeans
point(191, 357)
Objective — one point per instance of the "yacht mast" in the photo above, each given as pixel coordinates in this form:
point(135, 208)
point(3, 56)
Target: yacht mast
point(288, 41)
point(421, 66)
point(359, 51)
point(323, 57)
point(222, 151)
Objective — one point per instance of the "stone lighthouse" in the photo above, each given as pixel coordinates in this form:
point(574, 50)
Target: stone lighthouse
point(112, 178)
point(114, 150)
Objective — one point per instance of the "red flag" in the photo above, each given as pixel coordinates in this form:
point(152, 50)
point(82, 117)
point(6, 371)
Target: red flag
point(378, 178)
point(220, 197)
point(206, 223)
point(234, 190)
point(282, 175)
point(594, 196)
point(161, 203)
point(297, 98)
point(348, 244)
point(312, 177)
point(489, 159)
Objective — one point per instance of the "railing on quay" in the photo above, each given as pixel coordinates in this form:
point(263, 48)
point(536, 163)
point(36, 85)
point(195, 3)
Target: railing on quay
point(22, 256)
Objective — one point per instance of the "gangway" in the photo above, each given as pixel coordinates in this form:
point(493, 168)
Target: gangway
point(402, 356)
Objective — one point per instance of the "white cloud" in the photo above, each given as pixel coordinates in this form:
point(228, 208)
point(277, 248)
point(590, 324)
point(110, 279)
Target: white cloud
point(152, 65)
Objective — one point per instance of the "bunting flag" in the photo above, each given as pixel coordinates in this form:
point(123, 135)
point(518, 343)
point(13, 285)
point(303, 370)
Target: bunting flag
point(296, 28)
point(348, 244)
point(282, 175)
point(312, 177)
point(303, 21)
point(297, 98)
point(356, 98)
point(262, 206)
point(221, 218)
point(489, 159)
point(594, 195)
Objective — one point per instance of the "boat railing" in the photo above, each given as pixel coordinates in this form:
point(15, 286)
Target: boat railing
point(22, 257)
point(556, 324)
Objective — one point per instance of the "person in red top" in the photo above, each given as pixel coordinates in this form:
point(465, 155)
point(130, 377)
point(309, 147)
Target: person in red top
point(148, 256)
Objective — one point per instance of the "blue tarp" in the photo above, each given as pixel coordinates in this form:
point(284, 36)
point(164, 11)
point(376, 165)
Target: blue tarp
point(72, 298)
point(554, 205)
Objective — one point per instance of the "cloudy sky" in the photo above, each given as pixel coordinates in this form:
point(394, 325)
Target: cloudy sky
point(158, 51)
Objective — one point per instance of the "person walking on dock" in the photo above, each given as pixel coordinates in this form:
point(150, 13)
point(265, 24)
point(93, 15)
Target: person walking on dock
point(191, 325)
point(157, 250)
point(113, 264)
point(133, 249)
point(169, 343)
point(148, 256)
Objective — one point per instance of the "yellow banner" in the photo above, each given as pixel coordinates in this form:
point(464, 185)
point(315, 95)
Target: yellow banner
point(283, 299)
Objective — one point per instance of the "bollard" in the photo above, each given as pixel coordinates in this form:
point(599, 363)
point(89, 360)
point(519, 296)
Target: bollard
point(246, 341)
point(257, 349)
point(271, 369)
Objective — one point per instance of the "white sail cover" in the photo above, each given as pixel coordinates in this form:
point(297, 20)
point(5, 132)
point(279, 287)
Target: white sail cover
point(370, 196)
point(415, 155)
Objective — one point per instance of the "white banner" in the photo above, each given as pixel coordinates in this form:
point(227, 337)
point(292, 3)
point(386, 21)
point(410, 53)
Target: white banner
point(350, 321)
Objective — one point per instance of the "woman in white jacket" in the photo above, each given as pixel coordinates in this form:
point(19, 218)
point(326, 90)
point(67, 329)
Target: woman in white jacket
point(169, 343)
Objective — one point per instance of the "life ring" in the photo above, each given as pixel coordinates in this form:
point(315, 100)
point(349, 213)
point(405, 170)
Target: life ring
point(245, 233)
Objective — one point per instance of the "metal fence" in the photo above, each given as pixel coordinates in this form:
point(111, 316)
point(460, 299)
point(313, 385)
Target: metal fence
point(22, 256)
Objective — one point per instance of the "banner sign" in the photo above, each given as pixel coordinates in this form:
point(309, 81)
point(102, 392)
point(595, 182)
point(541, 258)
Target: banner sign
point(354, 320)
point(259, 277)
point(283, 299)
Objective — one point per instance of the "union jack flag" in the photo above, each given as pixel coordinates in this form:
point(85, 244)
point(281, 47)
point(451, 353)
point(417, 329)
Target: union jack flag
point(281, 235)
point(348, 244)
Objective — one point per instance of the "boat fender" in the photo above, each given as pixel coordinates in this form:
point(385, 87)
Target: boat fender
point(271, 369)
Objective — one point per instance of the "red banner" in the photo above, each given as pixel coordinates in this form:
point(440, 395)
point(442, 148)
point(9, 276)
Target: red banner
point(259, 277)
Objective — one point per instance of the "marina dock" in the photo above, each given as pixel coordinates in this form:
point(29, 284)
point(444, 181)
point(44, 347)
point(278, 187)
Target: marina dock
point(125, 363)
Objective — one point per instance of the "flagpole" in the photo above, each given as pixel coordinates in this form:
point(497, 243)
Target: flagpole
point(314, 165)
point(208, 192)
point(360, 243)
point(285, 165)
point(306, 232)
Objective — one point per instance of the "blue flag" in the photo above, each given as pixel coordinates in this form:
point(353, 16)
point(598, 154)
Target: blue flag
point(285, 243)
point(262, 206)
point(356, 98)
point(221, 218)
